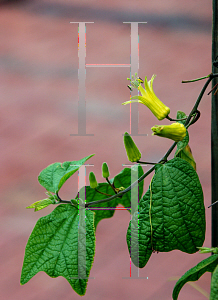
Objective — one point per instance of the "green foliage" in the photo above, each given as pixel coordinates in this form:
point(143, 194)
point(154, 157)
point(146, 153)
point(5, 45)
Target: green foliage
point(171, 213)
point(206, 265)
point(53, 247)
point(55, 175)
point(38, 205)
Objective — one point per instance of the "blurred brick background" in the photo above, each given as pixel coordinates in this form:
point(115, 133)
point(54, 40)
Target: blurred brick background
point(39, 102)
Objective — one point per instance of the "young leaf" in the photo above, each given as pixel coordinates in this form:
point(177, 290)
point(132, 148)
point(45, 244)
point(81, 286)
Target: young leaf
point(38, 205)
point(182, 144)
point(171, 213)
point(206, 265)
point(181, 115)
point(214, 285)
point(55, 175)
point(53, 247)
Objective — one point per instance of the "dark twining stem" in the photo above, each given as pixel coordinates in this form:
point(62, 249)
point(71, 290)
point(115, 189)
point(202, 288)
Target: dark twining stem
point(164, 158)
point(62, 201)
point(146, 163)
point(214, 132)
point(210, 77)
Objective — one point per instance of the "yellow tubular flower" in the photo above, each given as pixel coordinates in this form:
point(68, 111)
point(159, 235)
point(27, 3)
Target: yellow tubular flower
point(149, 99)
point(175, 131)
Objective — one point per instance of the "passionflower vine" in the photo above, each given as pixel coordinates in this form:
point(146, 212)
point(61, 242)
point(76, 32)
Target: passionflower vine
point(175, 131)
point(149, 98)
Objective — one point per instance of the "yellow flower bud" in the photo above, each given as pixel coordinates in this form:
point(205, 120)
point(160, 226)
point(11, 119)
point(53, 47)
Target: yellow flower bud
point(132, 151)
point(105, 171)
point(175, 131)
point(92, 180)
point(149, 98)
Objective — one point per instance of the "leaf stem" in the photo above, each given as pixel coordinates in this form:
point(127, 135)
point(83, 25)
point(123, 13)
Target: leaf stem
point(194, 109)
point(146, 163)
point(197, 79)
point(102, 193)
point(111, 185)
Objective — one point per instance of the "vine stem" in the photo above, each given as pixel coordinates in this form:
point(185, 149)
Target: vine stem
point(164, 158)
point(197, 79)
point(214, 132)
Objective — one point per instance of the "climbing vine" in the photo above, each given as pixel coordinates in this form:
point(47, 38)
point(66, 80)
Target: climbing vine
point(169, 215)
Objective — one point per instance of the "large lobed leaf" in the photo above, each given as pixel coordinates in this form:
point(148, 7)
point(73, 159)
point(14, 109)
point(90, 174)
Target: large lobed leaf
point(53, 247)
point(171, 213)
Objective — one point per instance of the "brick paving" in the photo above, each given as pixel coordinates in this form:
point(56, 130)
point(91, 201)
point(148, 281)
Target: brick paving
point(39, 94)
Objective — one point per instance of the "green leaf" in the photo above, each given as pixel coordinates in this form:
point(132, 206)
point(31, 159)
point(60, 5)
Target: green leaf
point(214, 285)
point(208, 250)
point(139, 234)
point(206, 265)
point(38, 205)
point(55, 175)
point(181, 115)
point(93, 195)
point(171, 213)
point(53, 247)
point(124, 179)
